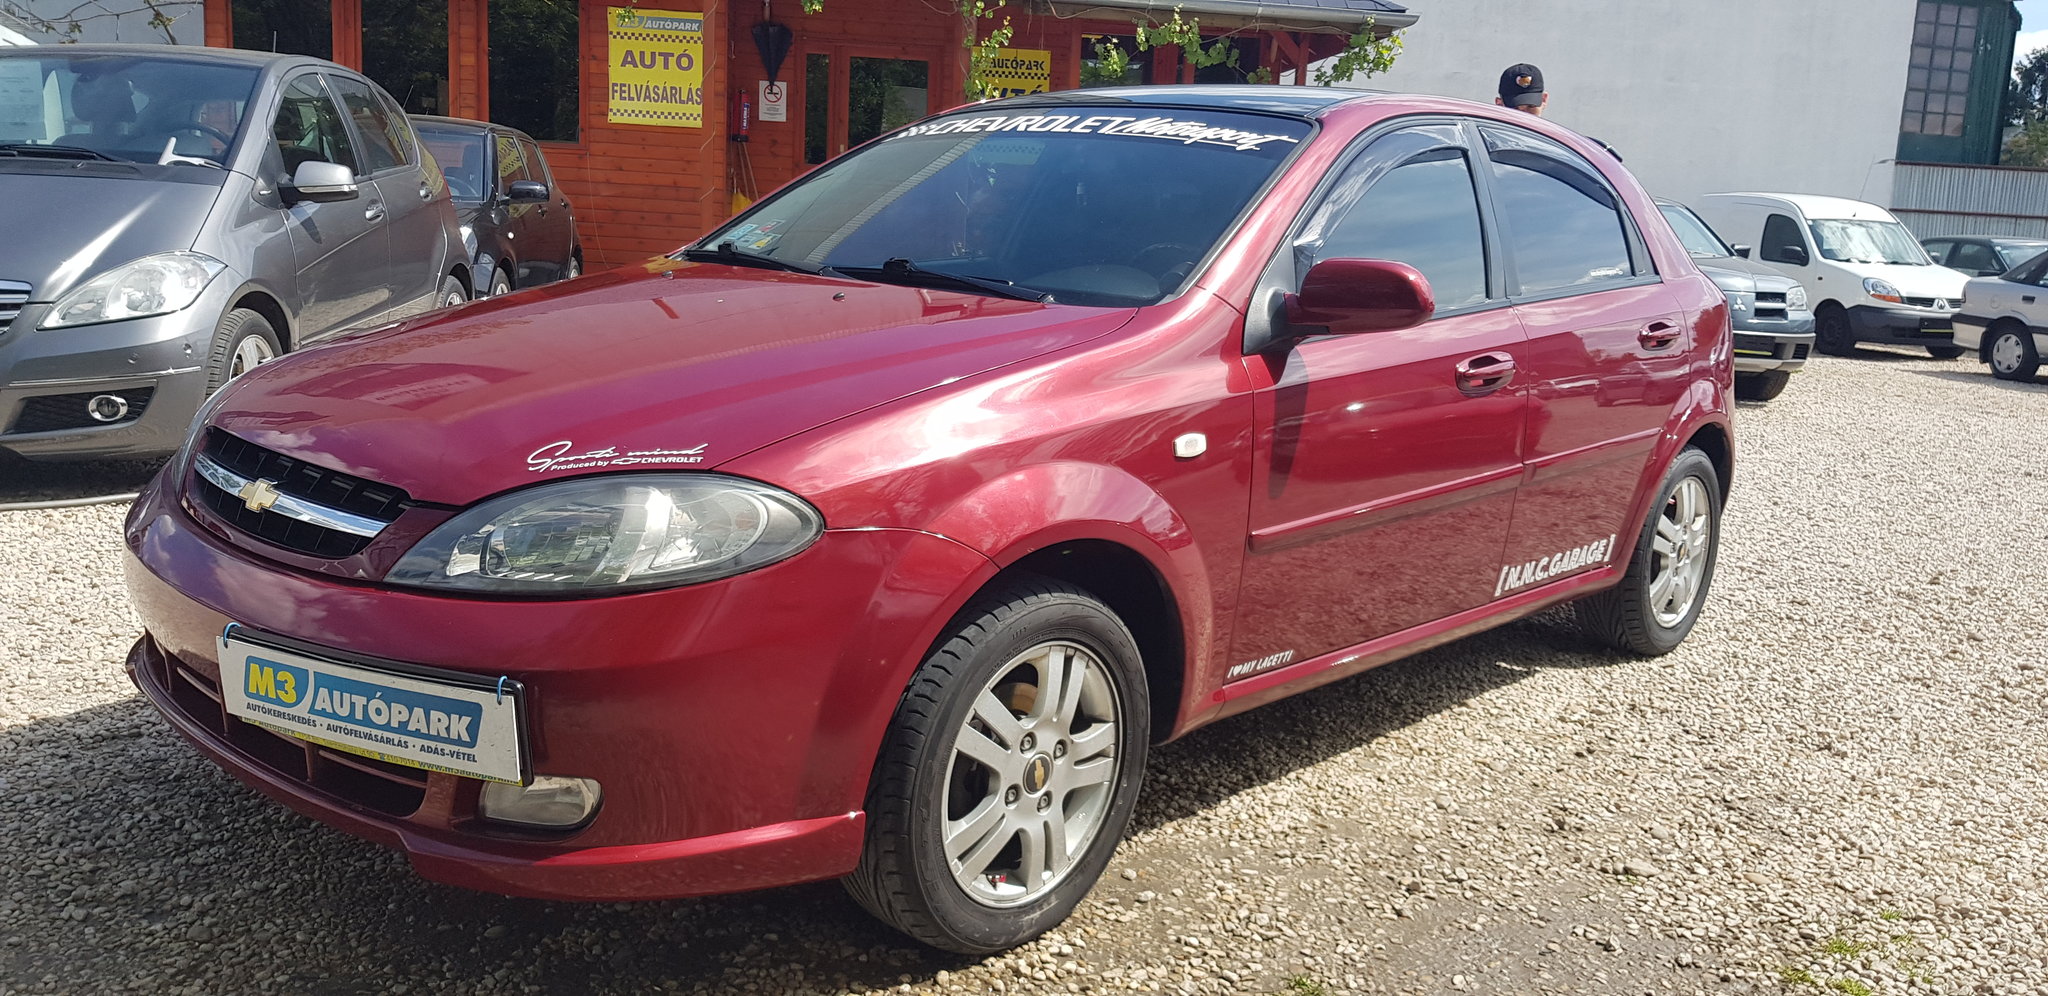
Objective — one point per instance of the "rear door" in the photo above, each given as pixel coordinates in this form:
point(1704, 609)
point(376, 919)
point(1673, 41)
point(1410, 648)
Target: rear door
point(413, 216)
point(340, 247)
point(1605, 362)
point(1385, 473)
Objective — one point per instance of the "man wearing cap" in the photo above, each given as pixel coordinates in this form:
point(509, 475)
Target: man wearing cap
point(1521, 87)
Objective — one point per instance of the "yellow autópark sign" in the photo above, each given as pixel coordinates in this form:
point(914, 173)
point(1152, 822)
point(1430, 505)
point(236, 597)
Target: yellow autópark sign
point(657, 68)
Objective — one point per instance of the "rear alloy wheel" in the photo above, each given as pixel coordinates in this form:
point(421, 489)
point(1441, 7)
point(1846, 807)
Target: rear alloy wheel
point(1945, 352)
point(1654, 607)
point(1008, 774)
point(242, 341)
point(452, 293)
point(575, 268)
point(2012, 354)
point(1831, 332)
point(1762, 385)
point(501, 285)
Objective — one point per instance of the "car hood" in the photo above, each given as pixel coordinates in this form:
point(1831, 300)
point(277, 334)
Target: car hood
point(1915, 281)
point(66, 228)
point(1736, 275)
point(664, 366)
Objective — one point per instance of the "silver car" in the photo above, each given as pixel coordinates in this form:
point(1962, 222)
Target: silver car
point(175, 216)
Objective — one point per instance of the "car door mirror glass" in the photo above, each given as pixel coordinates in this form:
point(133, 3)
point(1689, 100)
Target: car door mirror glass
point(526, 190)
point(1361, 295)
point(323, 181)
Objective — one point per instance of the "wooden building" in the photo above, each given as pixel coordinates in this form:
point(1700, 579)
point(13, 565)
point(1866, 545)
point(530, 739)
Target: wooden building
point(638, 104)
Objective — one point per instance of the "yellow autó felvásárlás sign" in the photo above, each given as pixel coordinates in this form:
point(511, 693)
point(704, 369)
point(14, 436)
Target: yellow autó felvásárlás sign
point(657, 68)
point(1019, 70)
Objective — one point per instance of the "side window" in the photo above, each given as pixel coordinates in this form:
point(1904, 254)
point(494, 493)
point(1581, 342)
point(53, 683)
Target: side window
point(1975, 258)
point(1781, 236)
point(383, 138)
point(1423, 212)
point(535, 163)
point(511, 163)
point(1563, 225)
point(308, 128)
point(403, 138)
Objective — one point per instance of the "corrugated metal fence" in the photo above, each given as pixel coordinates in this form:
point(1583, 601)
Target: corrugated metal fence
point(1971, 200)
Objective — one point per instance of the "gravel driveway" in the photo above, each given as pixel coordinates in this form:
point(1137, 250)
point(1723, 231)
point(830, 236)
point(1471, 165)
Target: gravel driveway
point(1838, 786)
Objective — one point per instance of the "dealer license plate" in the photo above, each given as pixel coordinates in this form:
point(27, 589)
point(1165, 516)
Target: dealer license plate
point(462, 726)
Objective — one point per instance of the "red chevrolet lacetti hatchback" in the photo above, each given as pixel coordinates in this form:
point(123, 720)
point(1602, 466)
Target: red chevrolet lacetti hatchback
point(877, 534)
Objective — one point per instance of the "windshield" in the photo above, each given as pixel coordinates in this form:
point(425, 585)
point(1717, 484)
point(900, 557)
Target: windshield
point(1848, 241)
point(1093, 206)
point(461, 155)
point(2014, 253)
point(125, 107)
point(1697, 238)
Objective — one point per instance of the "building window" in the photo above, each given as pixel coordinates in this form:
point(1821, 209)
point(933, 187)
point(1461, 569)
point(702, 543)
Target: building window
point(405, 49)
point(1938, 79)
point(535, 86)
point(297, 27)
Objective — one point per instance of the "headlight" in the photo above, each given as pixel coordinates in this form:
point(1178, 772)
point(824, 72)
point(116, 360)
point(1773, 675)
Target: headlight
point(602, 535)
point(1796, 297)
point(152, 285)
point(1882, 291)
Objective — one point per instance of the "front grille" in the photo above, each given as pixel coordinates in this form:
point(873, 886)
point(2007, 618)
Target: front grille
point(391, 789)
point(1927, 302)
point(13, 295)
point(299, 479)
point(1771, 306)
point(54, 412)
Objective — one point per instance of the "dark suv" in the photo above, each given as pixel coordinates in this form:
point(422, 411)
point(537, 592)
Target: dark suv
point(176, 216)
point(879, 533)
point(516, 222)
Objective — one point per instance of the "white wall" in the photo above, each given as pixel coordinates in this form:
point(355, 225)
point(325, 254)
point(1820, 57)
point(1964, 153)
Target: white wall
point(108, 20)
point(1698, 96)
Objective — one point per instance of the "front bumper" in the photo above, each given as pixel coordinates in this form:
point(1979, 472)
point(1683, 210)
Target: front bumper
point(732, 724)
point(157, 365)
point(1902, 326)
point(1773, 345)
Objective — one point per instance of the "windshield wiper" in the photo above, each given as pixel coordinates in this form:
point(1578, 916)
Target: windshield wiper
point(34, 150)
point(729, 253)
point(902, 271)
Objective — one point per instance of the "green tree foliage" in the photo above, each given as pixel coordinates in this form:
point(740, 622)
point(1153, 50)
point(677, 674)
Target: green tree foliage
point(2026, 97)
point(69, 22)
point(2028, 148)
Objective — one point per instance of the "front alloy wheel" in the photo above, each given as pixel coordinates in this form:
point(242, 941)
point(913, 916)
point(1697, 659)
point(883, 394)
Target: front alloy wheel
point(1009, 772)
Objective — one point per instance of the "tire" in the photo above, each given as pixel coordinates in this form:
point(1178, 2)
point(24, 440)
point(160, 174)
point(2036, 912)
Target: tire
point(501, 285)
point(2011, 354)
point(1762, 385)
point(575, 268)
point(966, 747)
point(243, 340)
point(1638, 615)
point(1945, 352)
point(452, 293)
point(1832, 333)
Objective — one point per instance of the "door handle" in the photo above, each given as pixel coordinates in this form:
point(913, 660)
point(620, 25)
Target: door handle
point(2027, 298)
point(1485, 373)
point(373, 211)
point(1657, 335)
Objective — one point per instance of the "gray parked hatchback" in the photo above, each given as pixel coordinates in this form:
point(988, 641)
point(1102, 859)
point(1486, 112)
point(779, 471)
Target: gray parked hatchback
point(178, 215)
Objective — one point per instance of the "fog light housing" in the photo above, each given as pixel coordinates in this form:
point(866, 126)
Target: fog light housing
point(552, 802)
point(107, 408)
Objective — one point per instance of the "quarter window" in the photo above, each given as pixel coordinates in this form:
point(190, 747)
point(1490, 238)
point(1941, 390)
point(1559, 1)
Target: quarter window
point(309, 128)
point(1562, 223)
point(1781, 239)
point(1423, 212)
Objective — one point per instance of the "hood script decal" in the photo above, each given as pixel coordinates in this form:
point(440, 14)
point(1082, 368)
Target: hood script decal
point(561, 456)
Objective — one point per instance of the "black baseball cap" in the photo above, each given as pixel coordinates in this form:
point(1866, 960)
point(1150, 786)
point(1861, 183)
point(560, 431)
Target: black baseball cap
point(1521, 85)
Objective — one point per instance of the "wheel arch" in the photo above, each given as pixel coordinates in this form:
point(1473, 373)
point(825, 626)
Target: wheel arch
point(1712, 439)
point(261, 301)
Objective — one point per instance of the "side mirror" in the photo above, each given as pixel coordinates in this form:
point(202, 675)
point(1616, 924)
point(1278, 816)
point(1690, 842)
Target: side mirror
point(1742, 251)
point(1361, 295)
point(1796, 255)
point(526, 190)
point(323, 181)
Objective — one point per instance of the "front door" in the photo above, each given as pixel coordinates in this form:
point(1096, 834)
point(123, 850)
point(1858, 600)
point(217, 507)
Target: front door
point(1607, 358)
point(1387, 461)
point(852, 96)
point(341, 247)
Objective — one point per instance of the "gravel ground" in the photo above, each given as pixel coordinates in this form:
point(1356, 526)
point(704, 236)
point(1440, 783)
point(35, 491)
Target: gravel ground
point(1836, 787)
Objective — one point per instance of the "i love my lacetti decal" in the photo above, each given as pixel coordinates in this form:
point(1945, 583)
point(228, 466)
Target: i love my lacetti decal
point(1183, 130)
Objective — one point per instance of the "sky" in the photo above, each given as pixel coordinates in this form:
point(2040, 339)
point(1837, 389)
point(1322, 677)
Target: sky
point(2034, 29)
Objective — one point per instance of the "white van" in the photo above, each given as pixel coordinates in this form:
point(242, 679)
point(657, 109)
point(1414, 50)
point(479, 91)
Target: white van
point(1868, 276)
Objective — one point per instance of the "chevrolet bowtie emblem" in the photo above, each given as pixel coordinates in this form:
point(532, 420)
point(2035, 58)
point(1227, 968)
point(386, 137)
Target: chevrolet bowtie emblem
point(258, 496)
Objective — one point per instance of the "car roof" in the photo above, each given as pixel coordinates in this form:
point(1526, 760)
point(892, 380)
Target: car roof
point(1293, 101)
point(1818, 205)
point(461, 124)
point(187, 53)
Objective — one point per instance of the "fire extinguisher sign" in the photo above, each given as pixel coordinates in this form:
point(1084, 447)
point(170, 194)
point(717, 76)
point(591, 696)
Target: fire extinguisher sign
point(774, 102)
point(657, 68)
